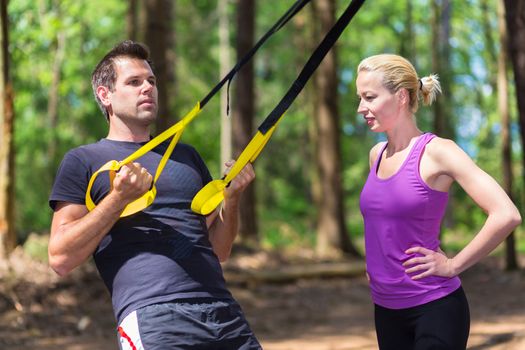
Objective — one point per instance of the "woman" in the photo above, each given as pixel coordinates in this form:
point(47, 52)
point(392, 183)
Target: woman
point(419, 302)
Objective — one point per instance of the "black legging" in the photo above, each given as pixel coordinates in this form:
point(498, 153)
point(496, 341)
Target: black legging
point(442, 324)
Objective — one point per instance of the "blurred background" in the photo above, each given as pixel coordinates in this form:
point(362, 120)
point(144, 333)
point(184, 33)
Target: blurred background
point(303, 206)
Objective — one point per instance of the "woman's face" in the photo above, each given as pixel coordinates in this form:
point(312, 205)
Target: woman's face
point(379, 107)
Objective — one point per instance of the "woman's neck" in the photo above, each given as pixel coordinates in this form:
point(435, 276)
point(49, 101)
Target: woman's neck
point(400, 137)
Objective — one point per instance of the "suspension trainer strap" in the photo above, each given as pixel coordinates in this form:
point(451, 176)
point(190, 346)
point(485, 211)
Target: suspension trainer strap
point(211, 195)
point(176, 130)
point(292, 11)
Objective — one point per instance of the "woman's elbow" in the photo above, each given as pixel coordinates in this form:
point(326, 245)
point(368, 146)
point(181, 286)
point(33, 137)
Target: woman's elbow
point(511, 219)
point(515, 219)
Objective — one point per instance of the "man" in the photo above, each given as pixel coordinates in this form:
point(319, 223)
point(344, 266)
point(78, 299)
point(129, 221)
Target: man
point(161, 265)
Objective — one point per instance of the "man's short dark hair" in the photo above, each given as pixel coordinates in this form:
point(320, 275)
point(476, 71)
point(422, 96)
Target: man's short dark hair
point(105, 73)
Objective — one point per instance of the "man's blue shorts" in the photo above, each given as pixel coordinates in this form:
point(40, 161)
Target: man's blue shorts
point(187, 325)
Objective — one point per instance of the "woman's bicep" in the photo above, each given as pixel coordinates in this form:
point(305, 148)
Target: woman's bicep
point(478, 184)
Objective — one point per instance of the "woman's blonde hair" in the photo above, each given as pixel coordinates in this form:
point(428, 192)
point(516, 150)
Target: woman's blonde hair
point(399, 73)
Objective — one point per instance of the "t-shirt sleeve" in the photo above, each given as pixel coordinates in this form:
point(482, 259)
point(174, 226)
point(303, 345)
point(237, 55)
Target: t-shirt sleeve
point(201, 166)
point(70, 182)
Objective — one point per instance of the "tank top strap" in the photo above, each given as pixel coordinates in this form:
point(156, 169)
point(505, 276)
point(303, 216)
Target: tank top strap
point(417, 150)
point(379, 156)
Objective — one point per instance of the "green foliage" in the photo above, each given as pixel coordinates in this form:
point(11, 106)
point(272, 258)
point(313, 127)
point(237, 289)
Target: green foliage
point(35, 247)
point(282, 230)
point(39, 143)
point(285, 169)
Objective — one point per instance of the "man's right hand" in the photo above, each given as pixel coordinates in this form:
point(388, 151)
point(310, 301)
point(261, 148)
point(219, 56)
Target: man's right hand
point(131, 182)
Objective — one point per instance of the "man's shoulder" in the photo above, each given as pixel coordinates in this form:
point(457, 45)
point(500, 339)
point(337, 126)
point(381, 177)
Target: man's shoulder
point(101, 149)
point(88, 147)
point(186, 147)
point(187, 150)
point(87, 153)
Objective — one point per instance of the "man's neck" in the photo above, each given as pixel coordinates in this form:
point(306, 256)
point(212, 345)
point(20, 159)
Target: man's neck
point(129, 136)
point(128, 132)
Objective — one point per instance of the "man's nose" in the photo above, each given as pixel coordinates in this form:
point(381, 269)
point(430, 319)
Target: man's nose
point(147, 86)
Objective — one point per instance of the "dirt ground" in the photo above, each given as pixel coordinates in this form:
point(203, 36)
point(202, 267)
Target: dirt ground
point(40, 311)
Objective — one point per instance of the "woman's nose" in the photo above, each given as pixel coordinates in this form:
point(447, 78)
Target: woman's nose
point(361, 108)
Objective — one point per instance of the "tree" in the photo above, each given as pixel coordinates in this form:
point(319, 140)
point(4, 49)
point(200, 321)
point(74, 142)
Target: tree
point(54, 94)
point(514, 14)
point(7, 176)
point(441, 13)
point(511, 261)
point(332, 236)
point(243, 112)
point(151, 22)
point(225, 63)
point(159, 37)
point(443, 121)
point(408, 37)
point(132, 20)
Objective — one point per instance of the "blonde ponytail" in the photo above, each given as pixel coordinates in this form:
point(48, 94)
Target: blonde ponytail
point(429, 88)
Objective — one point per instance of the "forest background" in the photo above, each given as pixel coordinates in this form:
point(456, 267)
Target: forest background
point(310, 175)
point(304, 202)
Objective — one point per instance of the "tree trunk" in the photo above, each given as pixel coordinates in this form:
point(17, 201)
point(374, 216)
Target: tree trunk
point(132, 20)
point(443, 120)
point(225, 65)
point(408, 38)
point(7, 176)
point(159, 37)
point(53, 100)
point(443, 123)
point(332, 236)
point(488, 34)
point(243, 113)
point(515, 19)
point(511, 261)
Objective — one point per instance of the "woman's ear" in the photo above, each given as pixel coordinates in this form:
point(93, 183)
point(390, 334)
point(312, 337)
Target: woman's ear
point(403, 96)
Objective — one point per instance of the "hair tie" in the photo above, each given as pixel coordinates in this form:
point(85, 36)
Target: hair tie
point(420, 84)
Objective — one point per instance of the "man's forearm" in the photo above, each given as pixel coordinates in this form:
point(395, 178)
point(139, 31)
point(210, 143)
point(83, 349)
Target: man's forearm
point(73, 241)
point(224, 229)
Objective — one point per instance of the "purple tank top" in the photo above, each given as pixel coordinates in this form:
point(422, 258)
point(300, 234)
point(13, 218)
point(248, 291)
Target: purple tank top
point(400, 212)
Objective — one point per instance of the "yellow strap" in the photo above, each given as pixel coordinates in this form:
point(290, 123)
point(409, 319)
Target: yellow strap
point(211, 195)
point(113, 166)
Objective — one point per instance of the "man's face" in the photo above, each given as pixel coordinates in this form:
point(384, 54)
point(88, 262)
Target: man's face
point(134, 98)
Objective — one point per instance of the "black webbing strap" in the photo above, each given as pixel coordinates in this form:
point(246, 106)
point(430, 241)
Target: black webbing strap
point(311, 65)
point(292, 11)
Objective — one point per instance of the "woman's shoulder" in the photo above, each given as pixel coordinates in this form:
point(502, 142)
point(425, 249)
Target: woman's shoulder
point(377, 147)
point(447, 154)
point(439, 147)
point(374, 151)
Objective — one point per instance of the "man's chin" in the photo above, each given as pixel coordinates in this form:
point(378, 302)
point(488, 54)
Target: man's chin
point(148, 118)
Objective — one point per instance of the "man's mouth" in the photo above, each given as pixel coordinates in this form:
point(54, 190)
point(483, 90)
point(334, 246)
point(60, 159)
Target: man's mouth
point(147, 103)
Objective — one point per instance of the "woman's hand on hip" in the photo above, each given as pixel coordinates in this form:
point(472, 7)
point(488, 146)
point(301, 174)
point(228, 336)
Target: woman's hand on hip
point(428, 263)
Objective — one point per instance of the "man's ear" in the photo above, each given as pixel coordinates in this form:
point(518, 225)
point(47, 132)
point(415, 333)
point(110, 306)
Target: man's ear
point(103, 95)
